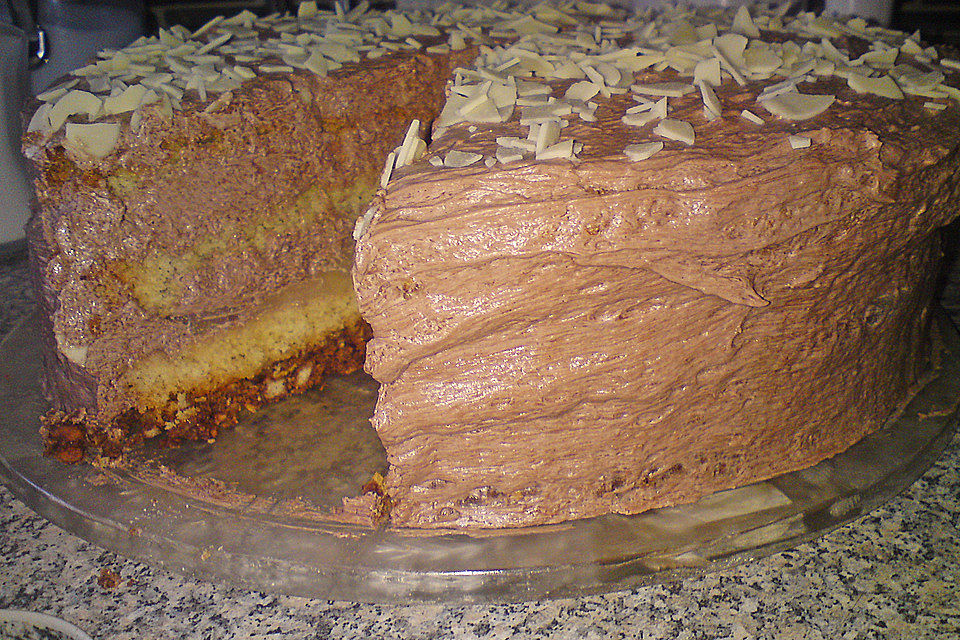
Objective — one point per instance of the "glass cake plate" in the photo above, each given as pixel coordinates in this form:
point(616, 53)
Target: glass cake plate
point(253, 509)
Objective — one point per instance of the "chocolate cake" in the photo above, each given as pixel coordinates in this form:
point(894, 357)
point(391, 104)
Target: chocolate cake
point(636, 258)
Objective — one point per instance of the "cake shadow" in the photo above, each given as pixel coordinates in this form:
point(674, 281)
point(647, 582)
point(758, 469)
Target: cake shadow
point(316, 448)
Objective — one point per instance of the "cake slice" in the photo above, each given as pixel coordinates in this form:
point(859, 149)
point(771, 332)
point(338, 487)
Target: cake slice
point(197, 263)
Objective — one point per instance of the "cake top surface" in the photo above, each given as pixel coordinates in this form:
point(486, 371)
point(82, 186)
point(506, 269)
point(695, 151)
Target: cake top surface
point(545, 75)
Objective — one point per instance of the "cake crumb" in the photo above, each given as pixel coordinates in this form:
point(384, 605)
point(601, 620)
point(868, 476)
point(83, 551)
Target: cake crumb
point(109, 579)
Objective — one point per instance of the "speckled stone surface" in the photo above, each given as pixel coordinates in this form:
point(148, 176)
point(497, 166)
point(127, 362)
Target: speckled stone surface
point(894, 573)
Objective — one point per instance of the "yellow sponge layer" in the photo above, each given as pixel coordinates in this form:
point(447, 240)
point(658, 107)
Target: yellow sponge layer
point(288, 323)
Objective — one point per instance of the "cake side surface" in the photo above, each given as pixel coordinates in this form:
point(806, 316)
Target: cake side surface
point(576, 380)
point(614, 331)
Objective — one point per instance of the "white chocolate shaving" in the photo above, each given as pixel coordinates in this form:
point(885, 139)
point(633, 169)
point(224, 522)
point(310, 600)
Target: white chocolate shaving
point(458, 159)
point(793, 105)
point(547, 135)
point(316, 63)
point(582, 91)
point(215, 43)
point(503, 95)
point(883, 86)
point(910, 47)
point(528, 88)
point(484, 110)
point(506, 155)
point(412, 146)
point(698, 48)
point(206, 27)
point(363, 223)
point(516, 143)
point(743, 23)
point(730, 52)
point(710, 100)
point(638, 63)
point(75, 354)
point(559, 150)
point(40, 120)
point(761, 62)
point(307, 9)
point(127, 100)
point(95, 140)
point(667, 89)
point(642, 151)
point(790, 84)
point(799, 142)
point(675, 130)
point(387, 169)
point(550, 111)
point(57, 92)
point(708, 72)
point(74, 102)
point(917, 82)
point(879, 59)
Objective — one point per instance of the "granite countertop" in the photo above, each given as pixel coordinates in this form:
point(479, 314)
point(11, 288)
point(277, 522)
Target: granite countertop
point(894, 573)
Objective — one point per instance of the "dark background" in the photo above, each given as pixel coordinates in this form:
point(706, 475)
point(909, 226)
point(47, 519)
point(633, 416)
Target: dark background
point(938, 20)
